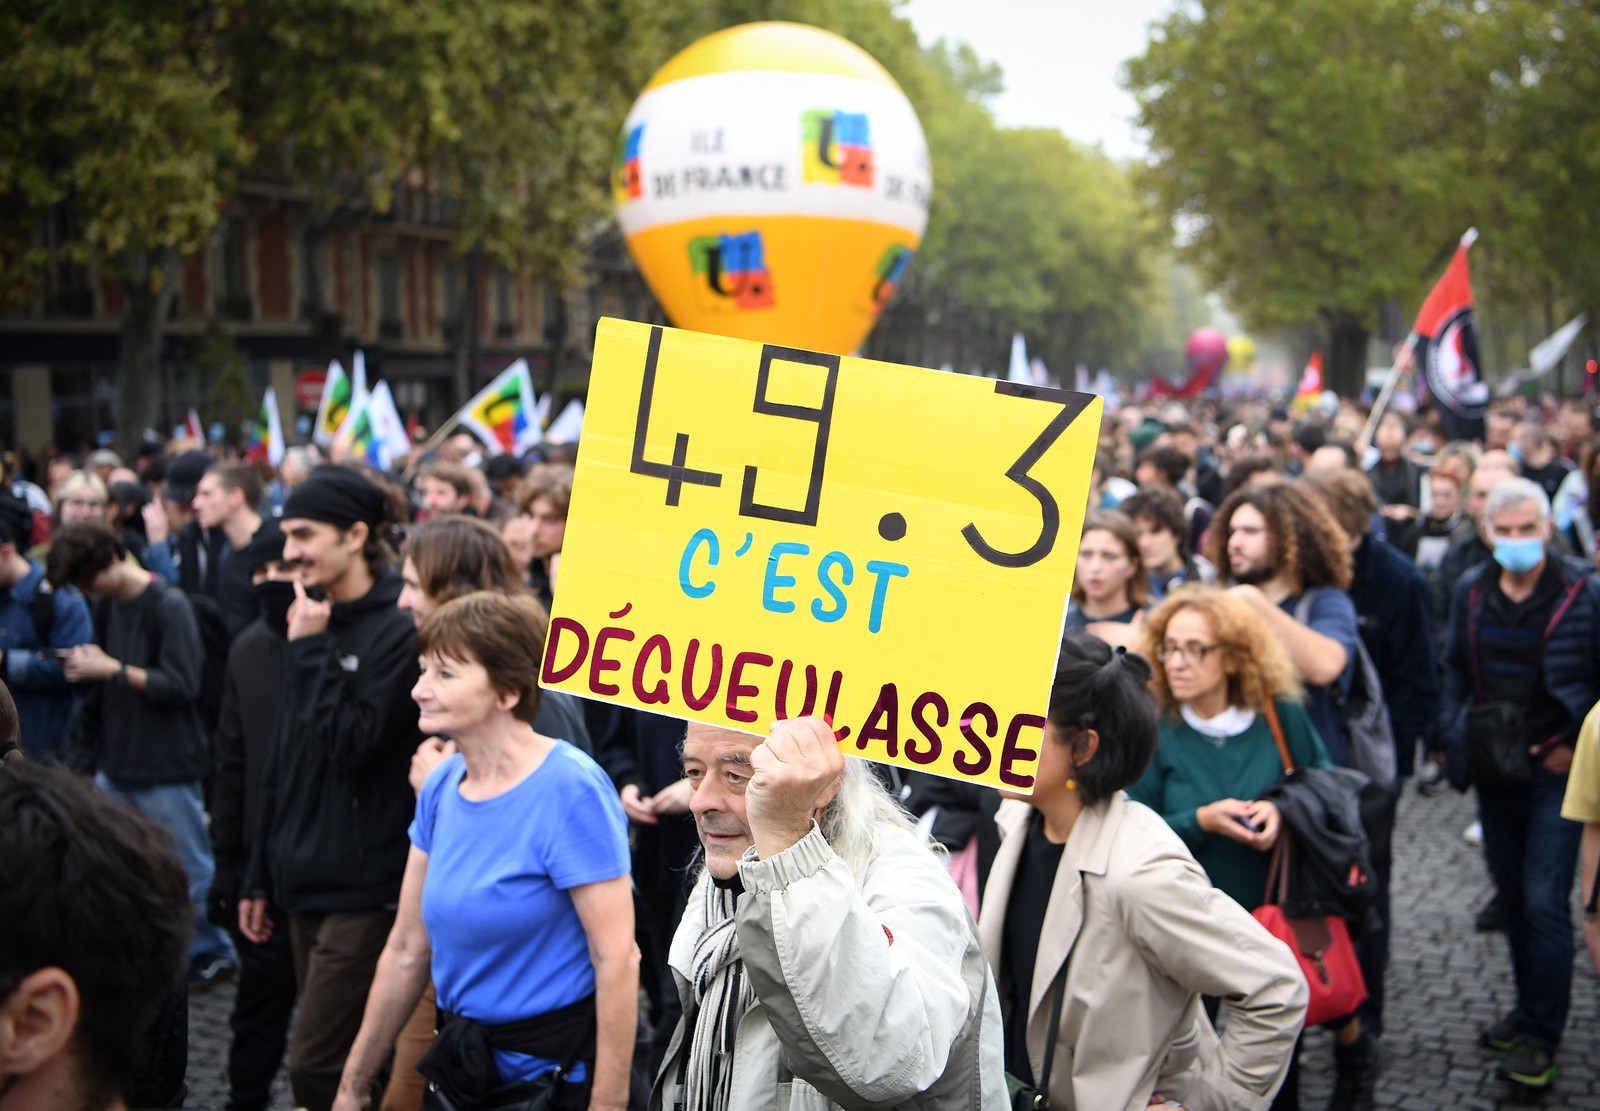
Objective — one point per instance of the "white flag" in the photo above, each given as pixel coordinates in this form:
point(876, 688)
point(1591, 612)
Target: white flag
point(1548, 353)
point(566, 428)
point(1019, 370)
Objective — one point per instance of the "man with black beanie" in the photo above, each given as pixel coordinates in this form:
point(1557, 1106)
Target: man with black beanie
point(335, 801)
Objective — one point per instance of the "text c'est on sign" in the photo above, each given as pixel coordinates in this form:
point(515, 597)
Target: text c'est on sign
point(760, 532)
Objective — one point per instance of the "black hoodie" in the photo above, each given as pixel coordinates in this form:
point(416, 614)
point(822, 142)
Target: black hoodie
point(335, 802)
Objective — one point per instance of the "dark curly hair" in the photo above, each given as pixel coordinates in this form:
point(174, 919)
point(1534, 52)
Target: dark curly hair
point(1303, 537)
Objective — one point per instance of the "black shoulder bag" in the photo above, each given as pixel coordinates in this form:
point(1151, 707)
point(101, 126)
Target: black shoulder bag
point(1036, 1097)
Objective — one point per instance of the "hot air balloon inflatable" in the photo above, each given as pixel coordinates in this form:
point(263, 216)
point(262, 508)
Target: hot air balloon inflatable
point(1207, 354)
point(772, 182)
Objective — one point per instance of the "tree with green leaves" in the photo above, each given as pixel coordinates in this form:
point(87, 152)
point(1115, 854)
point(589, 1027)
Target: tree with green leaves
point(141, 116)
point(1315, 157)
point(120, 114)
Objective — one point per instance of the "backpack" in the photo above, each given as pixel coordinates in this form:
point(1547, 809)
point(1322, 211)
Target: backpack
point(1363, 714)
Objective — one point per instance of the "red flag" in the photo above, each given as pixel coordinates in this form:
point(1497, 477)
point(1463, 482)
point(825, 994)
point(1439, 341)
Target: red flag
point(1447, 347)
point(193, 429)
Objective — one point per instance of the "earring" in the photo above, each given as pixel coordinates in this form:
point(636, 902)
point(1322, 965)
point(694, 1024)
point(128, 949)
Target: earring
point(1072, 784)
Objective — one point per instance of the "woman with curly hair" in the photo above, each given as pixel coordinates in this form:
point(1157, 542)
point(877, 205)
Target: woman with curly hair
point(1219, 676)
point(1216, 665)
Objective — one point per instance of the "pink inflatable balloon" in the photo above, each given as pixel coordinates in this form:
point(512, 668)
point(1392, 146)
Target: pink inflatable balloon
point(1207, 351)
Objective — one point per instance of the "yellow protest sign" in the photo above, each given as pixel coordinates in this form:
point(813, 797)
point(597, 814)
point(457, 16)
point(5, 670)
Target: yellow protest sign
point(759, 532)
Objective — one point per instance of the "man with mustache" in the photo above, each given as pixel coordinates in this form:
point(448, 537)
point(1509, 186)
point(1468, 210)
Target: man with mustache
point(825, 950)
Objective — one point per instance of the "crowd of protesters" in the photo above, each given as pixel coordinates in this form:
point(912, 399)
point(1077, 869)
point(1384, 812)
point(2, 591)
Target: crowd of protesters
point(437, 885)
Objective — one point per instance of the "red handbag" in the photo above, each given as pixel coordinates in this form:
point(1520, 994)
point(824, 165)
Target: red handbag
point(1320, 943)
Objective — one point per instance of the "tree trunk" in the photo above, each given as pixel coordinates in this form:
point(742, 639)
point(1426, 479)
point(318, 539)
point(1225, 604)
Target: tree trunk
point(150, 289)
point(1345, 370)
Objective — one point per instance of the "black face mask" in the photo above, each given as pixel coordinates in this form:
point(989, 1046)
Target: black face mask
point(275, 597)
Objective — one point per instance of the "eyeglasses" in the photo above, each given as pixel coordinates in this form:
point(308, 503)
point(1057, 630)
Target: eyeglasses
point(84, 503)
point(1192, 653)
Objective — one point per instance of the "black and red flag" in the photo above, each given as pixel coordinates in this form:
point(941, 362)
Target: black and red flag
point(1445, 344)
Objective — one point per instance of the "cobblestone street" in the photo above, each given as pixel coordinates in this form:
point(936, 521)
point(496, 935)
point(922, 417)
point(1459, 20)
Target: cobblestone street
point(1445, 984)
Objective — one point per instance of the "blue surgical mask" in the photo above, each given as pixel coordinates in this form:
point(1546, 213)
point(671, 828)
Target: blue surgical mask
point(1514, 451)
point(1518, 556)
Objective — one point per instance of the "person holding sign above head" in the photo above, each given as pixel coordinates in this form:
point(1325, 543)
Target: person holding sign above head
point(516, 894)
point(826, 959)
point(1110, 588)
point(1106, 933)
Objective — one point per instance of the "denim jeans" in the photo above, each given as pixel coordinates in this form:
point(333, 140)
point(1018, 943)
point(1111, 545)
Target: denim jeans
point(179, 809)
point(1532, 852)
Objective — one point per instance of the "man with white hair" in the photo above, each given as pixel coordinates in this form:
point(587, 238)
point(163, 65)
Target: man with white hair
point(826, 959)
point(1521, 672)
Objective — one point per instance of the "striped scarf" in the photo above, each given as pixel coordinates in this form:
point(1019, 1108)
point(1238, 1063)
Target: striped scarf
point(722, 994)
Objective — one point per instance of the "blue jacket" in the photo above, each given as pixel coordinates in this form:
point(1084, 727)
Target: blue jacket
point(1571, 664)
point(32, 671)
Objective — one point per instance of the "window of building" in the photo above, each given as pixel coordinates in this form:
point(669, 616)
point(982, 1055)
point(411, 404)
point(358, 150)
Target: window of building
point(505, 324)
point(313, 295)
point(233, 271)
point(391, 325)
point(451, 274)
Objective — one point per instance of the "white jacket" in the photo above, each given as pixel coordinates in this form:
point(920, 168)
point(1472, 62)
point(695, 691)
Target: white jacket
point(872, 990)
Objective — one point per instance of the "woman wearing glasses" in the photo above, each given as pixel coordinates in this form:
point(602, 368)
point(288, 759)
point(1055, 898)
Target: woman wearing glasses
point(1216, 664)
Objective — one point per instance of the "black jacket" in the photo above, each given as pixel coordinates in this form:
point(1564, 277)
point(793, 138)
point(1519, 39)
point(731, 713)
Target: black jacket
point(235, 595)
point(1569, 666)
point(1330, 865)
point(252, 697)
point(1394, 615)
point(198, 553)
point(335, 802)
point(155, 735)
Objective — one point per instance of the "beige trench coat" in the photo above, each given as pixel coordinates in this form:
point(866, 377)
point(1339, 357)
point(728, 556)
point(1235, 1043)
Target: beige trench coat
point(1147, 935)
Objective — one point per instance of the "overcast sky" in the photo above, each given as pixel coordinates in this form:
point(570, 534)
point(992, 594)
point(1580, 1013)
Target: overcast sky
point(1061, 59)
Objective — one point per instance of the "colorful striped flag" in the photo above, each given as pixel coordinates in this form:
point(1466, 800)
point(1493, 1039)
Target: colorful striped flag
point(267, 438)
point(333, 408)
point(504, 414)
point(374, 429)
point(1310, 384)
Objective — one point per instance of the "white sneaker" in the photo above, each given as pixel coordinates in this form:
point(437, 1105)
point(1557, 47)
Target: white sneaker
point(1430, 776)
point(1473, 834)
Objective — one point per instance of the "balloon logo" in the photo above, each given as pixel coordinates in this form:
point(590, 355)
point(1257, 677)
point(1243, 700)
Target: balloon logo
point(772, 183)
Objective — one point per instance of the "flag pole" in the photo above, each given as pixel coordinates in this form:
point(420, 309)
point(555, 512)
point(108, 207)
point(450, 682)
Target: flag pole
point(1401, 358)
point(434, 441)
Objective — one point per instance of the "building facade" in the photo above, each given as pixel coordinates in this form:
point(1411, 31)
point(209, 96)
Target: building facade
point(294, 291)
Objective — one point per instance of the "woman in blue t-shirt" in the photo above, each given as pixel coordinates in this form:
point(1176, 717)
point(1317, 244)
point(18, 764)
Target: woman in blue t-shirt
point(516, 895)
